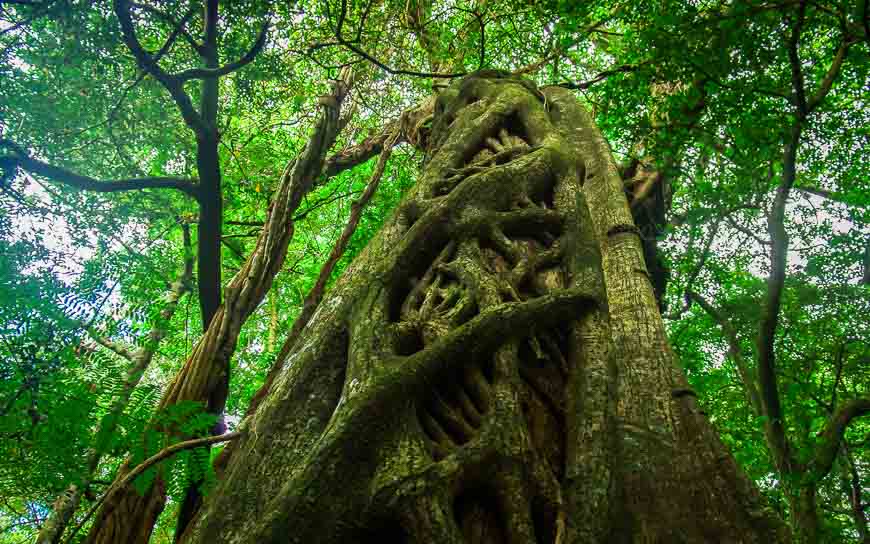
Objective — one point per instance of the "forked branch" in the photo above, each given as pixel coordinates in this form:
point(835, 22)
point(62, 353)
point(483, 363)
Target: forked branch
point(832, 435)
point(177, 26)
point(174, 83)
point(149, 64)
point(247, 58)
point(355, 155)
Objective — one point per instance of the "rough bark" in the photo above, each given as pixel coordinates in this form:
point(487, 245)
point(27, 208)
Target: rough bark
point(315, 294)
point(492, 368)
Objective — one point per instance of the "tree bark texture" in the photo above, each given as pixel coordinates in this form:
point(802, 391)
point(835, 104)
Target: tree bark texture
point(492, 368)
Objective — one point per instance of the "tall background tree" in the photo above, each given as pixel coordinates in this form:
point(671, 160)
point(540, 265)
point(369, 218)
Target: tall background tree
point(740, 132)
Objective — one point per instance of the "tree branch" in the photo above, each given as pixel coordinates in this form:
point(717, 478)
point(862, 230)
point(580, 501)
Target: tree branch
point(841, 351)
point(205, 73)
point(734, 349)
point(865, 262)
point(148, 463)
point(832, 435)
point(176, 25)
point(169, 452)
point(537, 65)
point(824, 193)
point(603, 75)
point(705, 252)
point(797, 75)
point(177, 30)
point(830, 76)
point(762, 242)
point(770, 316)
point(117, 348)
point(394, 71)
point(85, 183)
point(352, 156)
point(175, 86)
point(778, 261)
point(40, 9)
point(481, 61)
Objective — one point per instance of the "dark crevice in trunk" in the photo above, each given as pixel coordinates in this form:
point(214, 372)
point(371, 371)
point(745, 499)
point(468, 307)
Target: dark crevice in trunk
point(419, 269)
point(386, 531)
point(476, 513)
point(545, 523)
point(409, 342)
point(338, 357)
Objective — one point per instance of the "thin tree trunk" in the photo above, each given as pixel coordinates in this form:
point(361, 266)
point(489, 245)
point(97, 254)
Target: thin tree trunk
point(865, 278)
point(492, 368)
point(210, 232)
point(129, 517)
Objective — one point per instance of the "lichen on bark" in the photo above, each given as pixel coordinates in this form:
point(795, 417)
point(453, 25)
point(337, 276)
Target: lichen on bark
point(492, 368)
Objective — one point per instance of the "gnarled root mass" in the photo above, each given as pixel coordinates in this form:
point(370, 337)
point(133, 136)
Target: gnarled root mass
point(492, 368)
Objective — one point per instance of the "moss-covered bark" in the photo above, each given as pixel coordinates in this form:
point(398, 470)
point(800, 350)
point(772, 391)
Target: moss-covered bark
point(492, 368)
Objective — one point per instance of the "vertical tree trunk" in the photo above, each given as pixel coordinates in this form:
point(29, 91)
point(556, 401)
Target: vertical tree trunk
point(850, 482)
point(492, 368)
point(129, 517)
point(210, 230)
point(804, 518)
point(209, 170)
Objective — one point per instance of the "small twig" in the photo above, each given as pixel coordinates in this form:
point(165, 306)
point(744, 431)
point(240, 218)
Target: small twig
point(148, 463)
point(604, 75)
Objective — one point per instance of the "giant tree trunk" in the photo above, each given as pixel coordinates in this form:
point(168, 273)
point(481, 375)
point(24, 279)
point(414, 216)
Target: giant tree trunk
point(492, 368)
